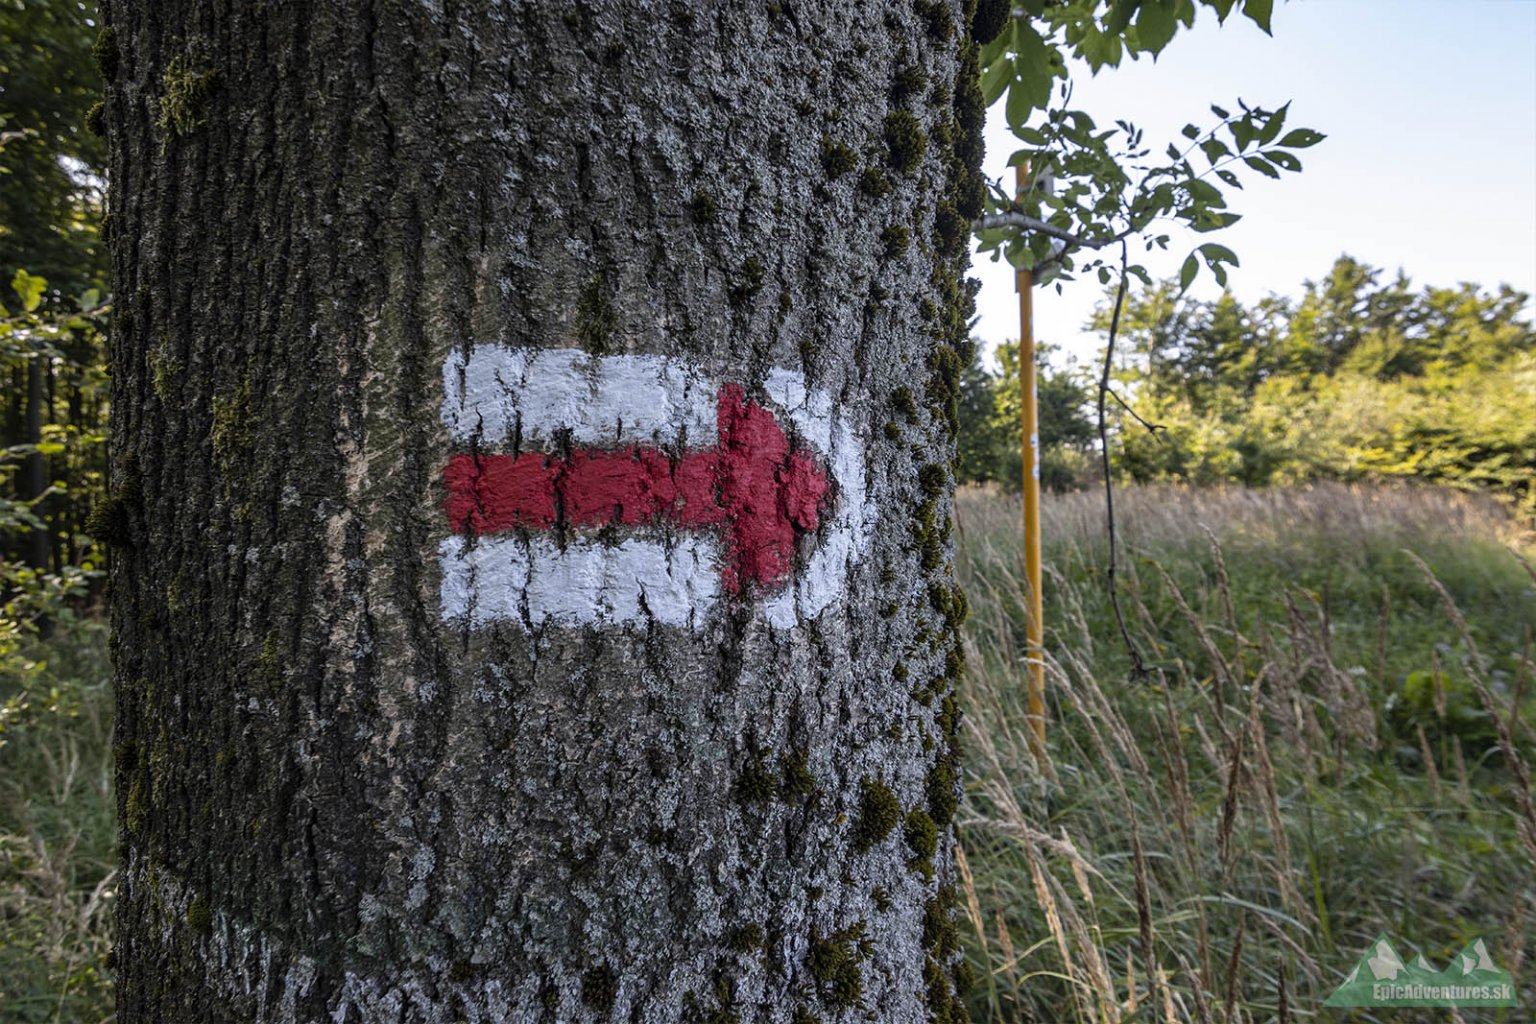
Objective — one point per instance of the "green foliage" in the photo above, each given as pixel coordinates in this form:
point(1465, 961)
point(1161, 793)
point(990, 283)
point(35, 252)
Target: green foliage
point(991, 438)
point(50, 165)
point(833, 961)
point(704, 208)
point(1359, 379)
point(837, 158)
point(52, 353)
point(1092, 186)
point(184, 91)
point(1446, 709)
point(52, 345)
point(905, 140)
point(596, 320)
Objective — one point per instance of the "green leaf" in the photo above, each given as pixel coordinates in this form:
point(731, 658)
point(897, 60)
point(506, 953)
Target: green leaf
point(1273, 125)
point(1215, 252)
point(1284, 159)
point(995, 79)
point(1261, 165)
point(1230, 178)
point(1205, 193)
point(1301, 138)
point(49, 448)
point(1033, 70)
point(1119, 17)
point(1242, 132)
point(1259, 11)
point(1191, 132)
point(1001, 44)
point(1100, 49)
point(1155, 26)
point(1187, 273)
point(30, 288)
point(1222, 8)
point(1019, 106)
point(1209, 220)
point(1219, 112)
point(1214, 149)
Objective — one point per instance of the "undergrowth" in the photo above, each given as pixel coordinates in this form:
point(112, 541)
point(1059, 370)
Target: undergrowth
point(57, 832)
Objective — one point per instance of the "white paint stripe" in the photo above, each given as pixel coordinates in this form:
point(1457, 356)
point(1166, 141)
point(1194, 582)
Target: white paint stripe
point(534, 582)
point(496, 393)
point(824, 578)
point(602, 400)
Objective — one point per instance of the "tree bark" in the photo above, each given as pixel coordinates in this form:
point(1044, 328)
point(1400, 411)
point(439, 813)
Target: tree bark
point(352, 785)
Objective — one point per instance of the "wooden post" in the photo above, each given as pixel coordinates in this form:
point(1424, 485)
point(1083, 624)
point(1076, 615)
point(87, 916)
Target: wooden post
point(1030, 428)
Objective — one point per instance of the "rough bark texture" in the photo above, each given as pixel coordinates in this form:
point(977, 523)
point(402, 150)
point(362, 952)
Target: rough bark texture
point(335, 803)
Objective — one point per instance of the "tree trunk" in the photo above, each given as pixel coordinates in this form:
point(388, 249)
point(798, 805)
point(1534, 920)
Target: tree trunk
point(532, 449)
point(34, 473)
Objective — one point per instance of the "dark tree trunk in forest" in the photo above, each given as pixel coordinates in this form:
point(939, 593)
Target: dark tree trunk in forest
point(34, 473)
point(532, 450)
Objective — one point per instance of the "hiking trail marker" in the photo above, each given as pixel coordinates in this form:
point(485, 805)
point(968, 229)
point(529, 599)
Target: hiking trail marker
point(699, 492)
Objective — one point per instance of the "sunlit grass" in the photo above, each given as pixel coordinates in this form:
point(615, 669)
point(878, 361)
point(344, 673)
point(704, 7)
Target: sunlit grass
point(1311, 760)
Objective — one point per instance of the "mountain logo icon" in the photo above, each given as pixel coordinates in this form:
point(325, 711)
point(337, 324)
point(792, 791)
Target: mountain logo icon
point(1381, 978)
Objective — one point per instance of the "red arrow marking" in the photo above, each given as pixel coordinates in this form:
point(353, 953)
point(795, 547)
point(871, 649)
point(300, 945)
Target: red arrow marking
point(753, 483)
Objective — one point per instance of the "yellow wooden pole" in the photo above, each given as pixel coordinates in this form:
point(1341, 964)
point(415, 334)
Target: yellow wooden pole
point(1030, 424)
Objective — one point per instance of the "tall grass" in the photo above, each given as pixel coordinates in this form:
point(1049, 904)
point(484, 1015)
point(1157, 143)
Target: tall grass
point(1331, 743)
point(57, 831)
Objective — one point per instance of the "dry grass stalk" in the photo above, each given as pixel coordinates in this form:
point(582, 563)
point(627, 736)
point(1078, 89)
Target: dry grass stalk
point(1224, 849)
point(1233, 962)
point(1197, 990)
point(1047, 903)
point(972, 904)
point(1223, 671)
point(1430, 771)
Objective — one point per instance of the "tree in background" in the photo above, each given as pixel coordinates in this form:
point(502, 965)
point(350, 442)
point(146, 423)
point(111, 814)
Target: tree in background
point(1358, 379)
point(51, 162)
point(52, 350)
point(989, 422)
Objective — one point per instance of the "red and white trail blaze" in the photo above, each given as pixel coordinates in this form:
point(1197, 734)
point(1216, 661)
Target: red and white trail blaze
point(659, 451)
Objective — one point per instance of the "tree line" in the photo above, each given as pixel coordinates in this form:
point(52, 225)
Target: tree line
point(53, 310)
point(1365, 376)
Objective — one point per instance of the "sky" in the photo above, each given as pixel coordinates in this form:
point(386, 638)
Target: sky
point(1429, 165)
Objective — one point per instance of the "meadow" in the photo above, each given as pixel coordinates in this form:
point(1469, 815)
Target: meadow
point(1331, 740)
